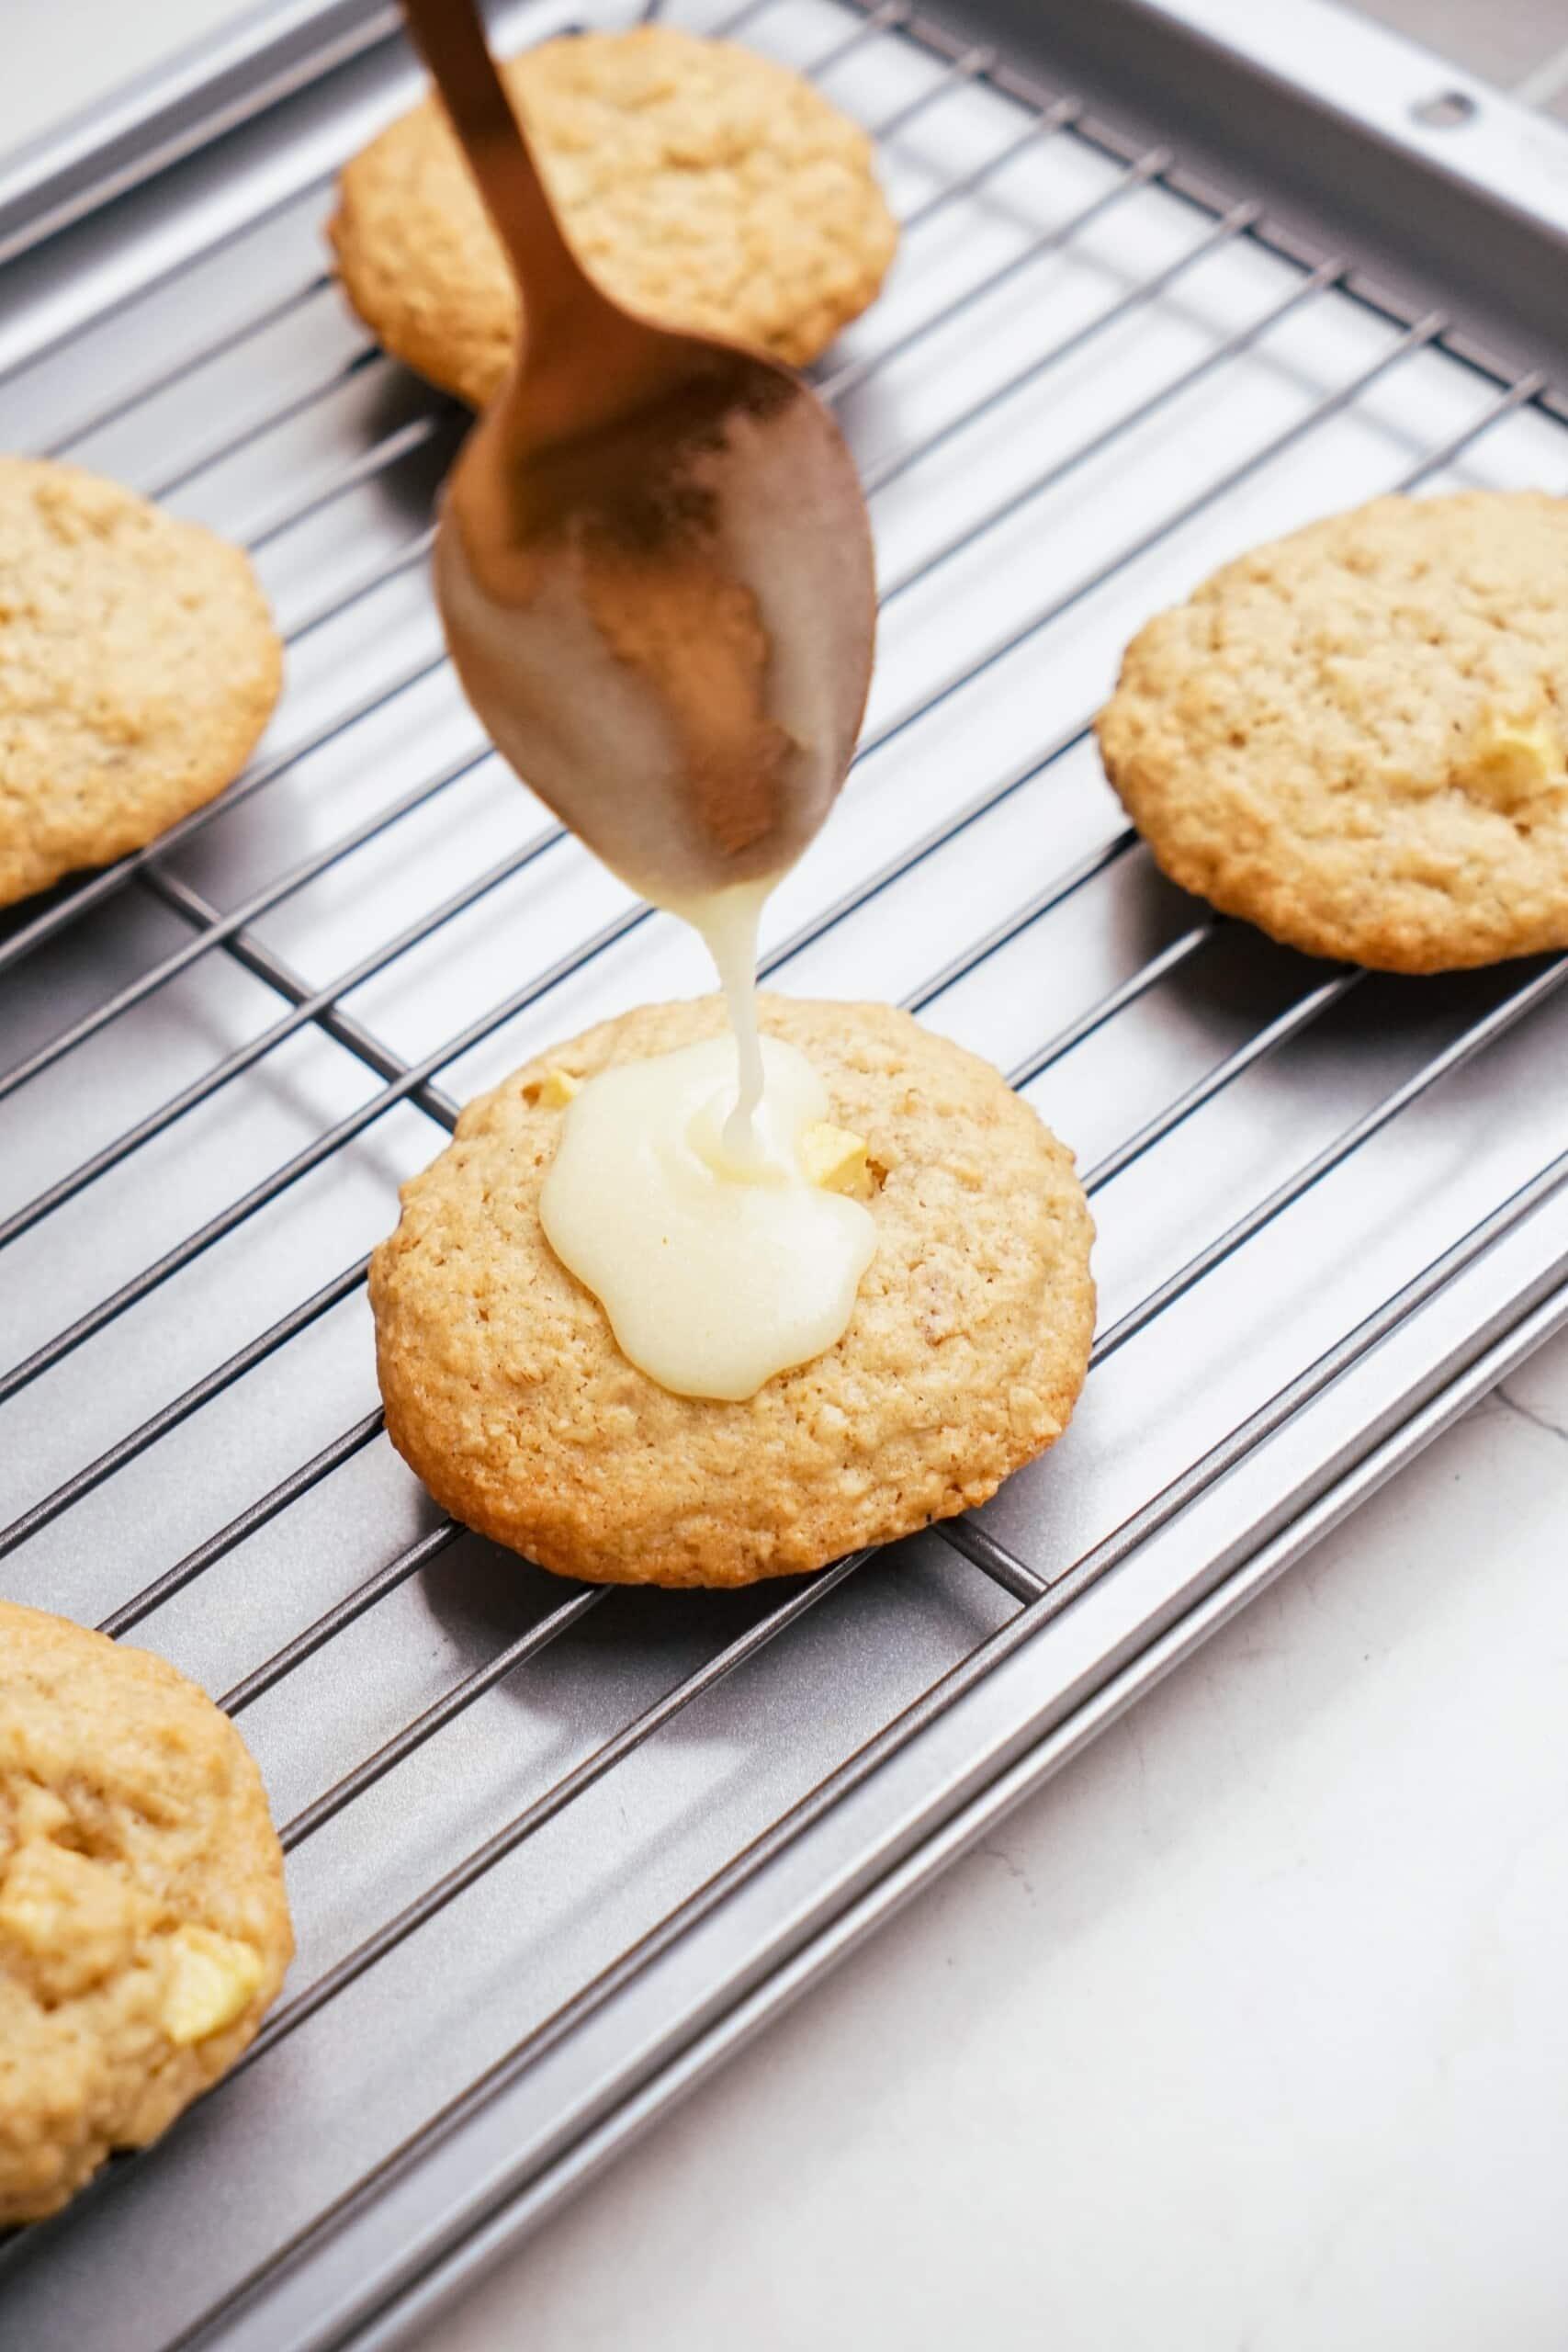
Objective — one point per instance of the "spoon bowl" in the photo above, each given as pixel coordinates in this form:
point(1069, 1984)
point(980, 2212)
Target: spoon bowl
point(653, 560)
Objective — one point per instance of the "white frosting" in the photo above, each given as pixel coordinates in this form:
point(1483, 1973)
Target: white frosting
point(716, 1259)
point(726, 921)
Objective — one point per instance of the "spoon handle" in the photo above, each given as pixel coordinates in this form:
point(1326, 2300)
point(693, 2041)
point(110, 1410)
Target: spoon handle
point(450, 35)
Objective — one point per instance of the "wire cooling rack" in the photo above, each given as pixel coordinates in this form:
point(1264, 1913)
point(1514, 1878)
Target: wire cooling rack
point(1092, 376)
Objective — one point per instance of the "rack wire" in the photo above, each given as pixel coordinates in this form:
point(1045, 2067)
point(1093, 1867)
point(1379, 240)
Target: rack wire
point(1038, 1589)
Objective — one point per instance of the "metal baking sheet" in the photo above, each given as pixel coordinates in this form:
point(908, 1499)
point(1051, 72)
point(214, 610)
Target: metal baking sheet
point(1329, 1210)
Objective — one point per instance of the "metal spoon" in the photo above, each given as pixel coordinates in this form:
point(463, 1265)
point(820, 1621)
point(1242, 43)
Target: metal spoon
point(654, 562)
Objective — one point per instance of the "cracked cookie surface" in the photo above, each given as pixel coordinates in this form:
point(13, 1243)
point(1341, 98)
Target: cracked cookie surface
point(962, 1359)
point(704, 186)
point(138, 665)
point(1357, 736)
point(143, 1924)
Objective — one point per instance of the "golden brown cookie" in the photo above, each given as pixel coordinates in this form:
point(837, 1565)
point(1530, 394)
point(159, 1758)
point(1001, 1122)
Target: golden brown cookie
point(1358, 737)
point(965, 1355)
point(144, 1927)
point(704, 186)
point(137, 666)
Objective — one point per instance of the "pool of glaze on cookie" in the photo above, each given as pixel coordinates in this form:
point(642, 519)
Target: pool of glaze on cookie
point(717, 1270)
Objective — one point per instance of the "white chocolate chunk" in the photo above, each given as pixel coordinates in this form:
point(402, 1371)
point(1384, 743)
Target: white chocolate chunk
point(211, 1979)
point(555, 1090)
point(836, 1159)
point(1511, 759)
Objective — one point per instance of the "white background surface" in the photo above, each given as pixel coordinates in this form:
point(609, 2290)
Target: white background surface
point(1249, 2034)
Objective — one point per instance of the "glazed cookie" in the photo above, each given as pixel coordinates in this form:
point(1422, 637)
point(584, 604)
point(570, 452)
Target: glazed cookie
point(703, 185)
point(962, 1359)
point(143, 1928)
point(1358, 738)
point(137, 666)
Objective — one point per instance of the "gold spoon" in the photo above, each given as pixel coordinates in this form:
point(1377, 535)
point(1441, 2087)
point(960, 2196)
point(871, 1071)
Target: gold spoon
point(653, 563)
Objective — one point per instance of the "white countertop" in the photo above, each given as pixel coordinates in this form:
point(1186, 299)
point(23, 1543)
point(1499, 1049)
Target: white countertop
point(1248, 2031)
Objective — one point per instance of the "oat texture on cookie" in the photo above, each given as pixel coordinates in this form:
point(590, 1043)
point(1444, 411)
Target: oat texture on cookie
point(138, 665)
point(704, 186)
point(962, 1359)
point(143, 1924)
point(1357, 738)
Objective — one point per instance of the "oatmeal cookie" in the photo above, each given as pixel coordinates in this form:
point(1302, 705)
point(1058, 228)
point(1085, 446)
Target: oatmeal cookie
point(144, 1926)
point(1358, 737)
point(704, 186)
point(137, 666)
point(964, 1357)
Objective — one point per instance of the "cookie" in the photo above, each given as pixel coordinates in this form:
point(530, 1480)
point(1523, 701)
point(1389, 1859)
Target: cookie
point(962, 1359)
point(137, 666)
point(1358, 738)
point(705, 187)
point(143, 1928)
